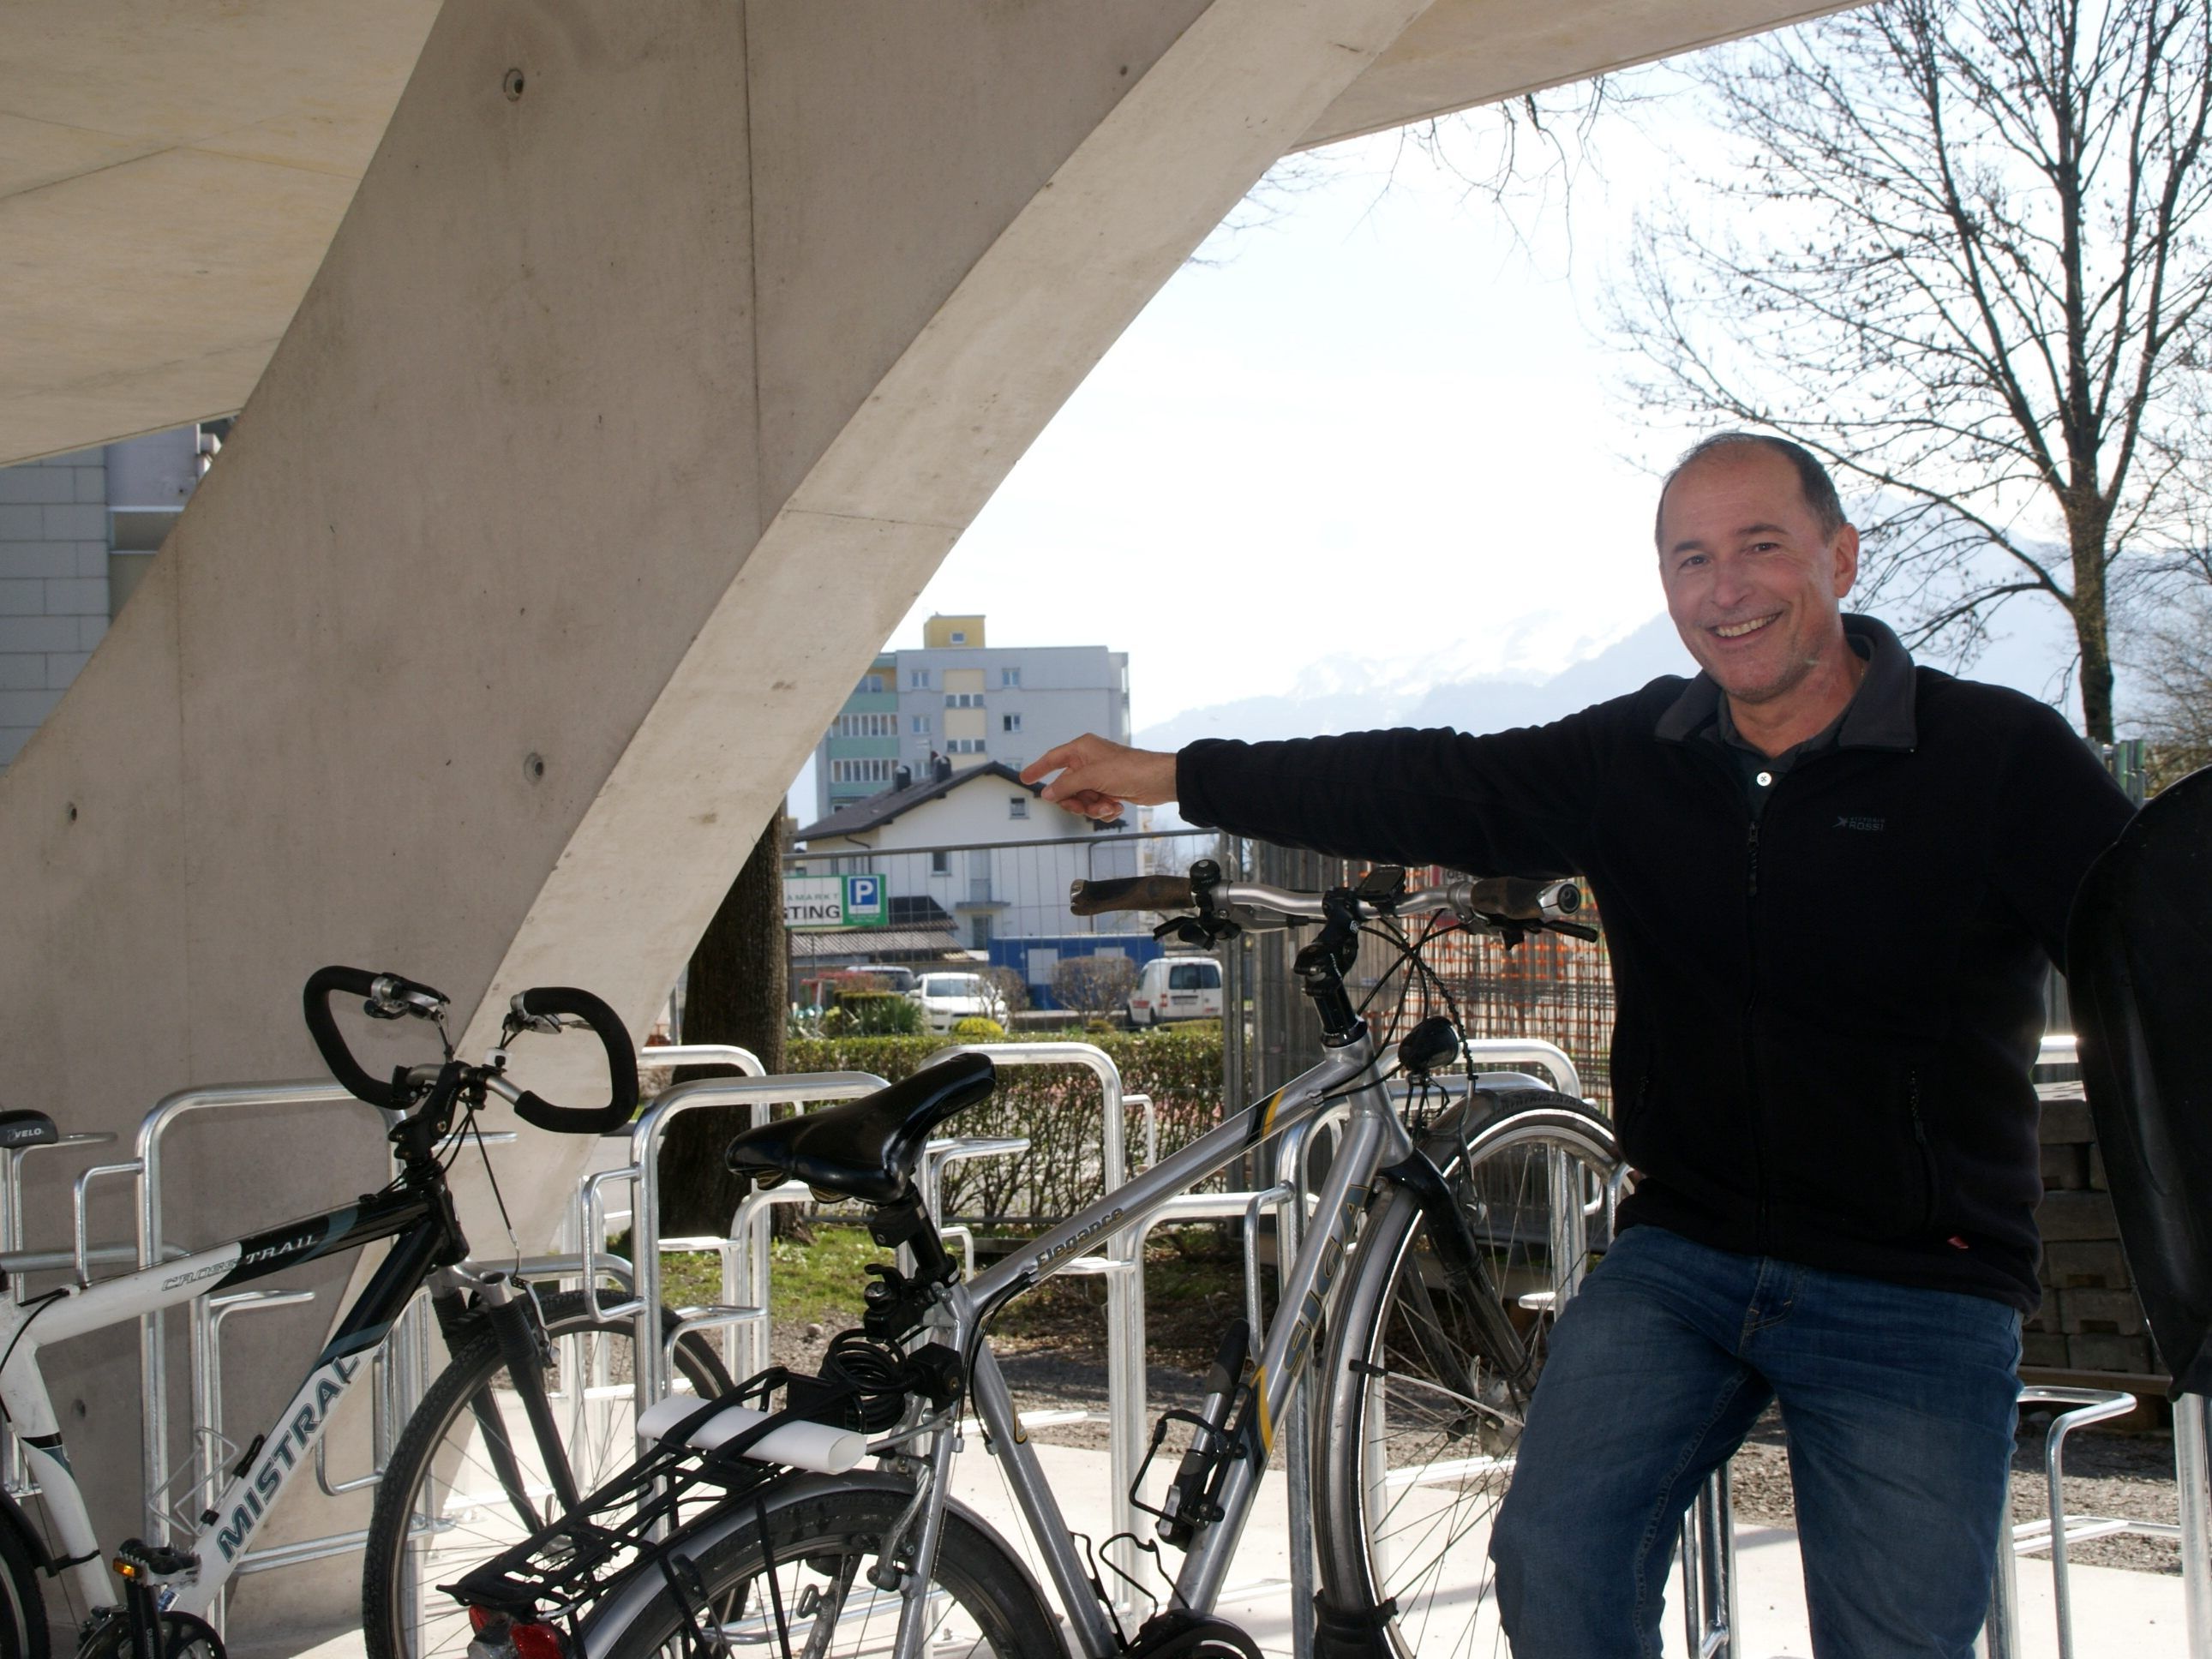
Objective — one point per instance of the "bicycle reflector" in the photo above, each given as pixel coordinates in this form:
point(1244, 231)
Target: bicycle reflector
point(499, 1638)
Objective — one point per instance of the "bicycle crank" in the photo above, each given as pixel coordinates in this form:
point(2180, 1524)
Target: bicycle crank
point(1180, 1633)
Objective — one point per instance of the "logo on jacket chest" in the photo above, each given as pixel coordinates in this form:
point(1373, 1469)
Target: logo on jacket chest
point(1862, 822)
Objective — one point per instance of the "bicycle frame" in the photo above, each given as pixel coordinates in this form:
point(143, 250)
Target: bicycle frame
point(1374, 1138)
point(424, 1231)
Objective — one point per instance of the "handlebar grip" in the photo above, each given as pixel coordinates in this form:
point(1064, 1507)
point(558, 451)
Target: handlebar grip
point(315, 998)
point(622, 1065)
point(1092, 898)
point(1517, 898)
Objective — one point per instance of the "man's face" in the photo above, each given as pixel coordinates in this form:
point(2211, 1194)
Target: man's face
point(1751, 583)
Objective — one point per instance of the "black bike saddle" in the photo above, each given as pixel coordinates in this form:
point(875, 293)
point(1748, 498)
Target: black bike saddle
point(26, 1128)
point(866, 1148)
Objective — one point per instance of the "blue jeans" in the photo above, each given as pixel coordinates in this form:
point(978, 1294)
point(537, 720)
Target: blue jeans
point(1898, 1404)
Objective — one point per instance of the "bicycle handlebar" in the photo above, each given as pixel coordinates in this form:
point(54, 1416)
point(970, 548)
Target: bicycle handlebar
point(1472, 898)
point(388, 996)
point(549, 1002)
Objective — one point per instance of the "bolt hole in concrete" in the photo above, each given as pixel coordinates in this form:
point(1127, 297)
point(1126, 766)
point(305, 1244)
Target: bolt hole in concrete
point(534, 767)
point(513, 85)
point(72, 812)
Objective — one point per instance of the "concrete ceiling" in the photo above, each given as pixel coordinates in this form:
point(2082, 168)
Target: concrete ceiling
point(172, 171)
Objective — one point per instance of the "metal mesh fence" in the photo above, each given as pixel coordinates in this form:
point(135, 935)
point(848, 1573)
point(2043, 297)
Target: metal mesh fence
point(1548, 987)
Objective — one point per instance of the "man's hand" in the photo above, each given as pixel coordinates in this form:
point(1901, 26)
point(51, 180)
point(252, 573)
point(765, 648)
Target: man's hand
point(1096, 776)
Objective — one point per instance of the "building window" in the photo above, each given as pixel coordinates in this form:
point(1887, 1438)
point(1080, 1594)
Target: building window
point(1009, 677)
point(1010, 722)
point(921, 726)
point(917, 679)
point(940, 863)
point(1018, 806)
point(979, 933)
point(959, 636)
point(872, 685)
point(867, 726)
point(861, 771)
point(963, 699)
point(964, 745)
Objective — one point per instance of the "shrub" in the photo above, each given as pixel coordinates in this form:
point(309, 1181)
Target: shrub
point(1055, 1107)
point(872, 1013)
point(976, 1028)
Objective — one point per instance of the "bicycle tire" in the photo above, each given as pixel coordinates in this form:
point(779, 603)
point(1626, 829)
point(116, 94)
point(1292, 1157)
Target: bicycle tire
point(1418, 1425)
point(403, 1616)
point(23, 1630)
point(825, 1531)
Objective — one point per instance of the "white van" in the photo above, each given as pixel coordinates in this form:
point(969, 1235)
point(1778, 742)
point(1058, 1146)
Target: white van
point(1176, 987)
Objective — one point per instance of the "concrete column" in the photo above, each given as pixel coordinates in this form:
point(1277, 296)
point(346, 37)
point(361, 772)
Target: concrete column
point(663, 353)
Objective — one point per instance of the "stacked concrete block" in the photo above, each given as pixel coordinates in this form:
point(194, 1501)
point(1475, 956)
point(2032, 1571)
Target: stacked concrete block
point(53, 585)
point(2090, 1320)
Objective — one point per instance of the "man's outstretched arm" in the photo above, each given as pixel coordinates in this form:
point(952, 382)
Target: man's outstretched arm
point(1098, 778)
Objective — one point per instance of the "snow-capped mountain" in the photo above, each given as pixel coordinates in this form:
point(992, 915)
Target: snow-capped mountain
point(1482, 684)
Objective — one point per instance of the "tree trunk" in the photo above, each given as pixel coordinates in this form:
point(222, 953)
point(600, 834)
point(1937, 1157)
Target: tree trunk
point(2092, 629)
point(735, 994)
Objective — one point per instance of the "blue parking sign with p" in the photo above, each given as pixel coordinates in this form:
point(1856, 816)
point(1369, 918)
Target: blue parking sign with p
point(864, 900)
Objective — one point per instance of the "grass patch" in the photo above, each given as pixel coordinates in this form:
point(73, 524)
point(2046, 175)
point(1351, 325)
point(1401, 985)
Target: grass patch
point(808, 1284)
point(1194, 1286)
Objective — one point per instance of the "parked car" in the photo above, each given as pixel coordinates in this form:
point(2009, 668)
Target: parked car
point(947, 998)
point(895, 976)
point(1176, 987)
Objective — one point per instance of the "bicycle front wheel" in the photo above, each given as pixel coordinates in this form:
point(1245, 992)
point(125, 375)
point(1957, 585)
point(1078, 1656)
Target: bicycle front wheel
point(1421, 1421)
point(802, 1585)
point(468, 1480)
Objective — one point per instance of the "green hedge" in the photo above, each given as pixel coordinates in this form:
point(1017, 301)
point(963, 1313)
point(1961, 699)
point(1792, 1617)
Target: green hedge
point(1055, 1106)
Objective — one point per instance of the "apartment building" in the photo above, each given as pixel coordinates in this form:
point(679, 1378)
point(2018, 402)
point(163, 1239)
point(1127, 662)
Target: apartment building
point(962, 699)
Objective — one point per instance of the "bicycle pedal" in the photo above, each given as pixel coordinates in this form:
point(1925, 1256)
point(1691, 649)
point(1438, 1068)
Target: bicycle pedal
point(137, 1559)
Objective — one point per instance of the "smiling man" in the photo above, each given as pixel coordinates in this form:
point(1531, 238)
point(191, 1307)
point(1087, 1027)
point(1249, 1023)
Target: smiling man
point(1830, 882)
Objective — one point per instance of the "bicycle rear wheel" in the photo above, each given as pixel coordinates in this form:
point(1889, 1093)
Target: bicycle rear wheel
point(1419, 1421)
point(467, 1480)
point(824, 1534)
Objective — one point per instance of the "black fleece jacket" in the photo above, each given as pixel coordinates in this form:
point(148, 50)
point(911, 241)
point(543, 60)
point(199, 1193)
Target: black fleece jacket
point(1827, 1010)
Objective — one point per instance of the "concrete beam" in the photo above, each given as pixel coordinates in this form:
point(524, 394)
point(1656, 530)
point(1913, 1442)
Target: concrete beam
point(172, 171)
point(663, 352)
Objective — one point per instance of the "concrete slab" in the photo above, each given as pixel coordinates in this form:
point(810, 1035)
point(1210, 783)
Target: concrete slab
point(2117, 1614)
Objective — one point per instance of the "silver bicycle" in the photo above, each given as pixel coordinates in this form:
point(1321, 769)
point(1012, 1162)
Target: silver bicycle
point(1448, 1230)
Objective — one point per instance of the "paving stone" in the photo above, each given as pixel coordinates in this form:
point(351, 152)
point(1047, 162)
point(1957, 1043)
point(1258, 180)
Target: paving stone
point(2087, 1265)
point(2065, 1169)
point(26, 708)
point(2042, 1348)
point(2068, 1216)
point(92, 484)
point(23, 524)
point(2065, 1121)
point(2107, 1313)
point(64, 666)
point(39, 634)
point(2131, 1354)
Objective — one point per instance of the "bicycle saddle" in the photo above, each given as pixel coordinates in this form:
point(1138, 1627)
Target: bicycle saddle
point(26, 1128)
point(2138, 958)
point(866, 1148)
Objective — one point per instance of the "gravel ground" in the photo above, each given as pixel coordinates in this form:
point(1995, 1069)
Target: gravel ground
point(2124, 1476)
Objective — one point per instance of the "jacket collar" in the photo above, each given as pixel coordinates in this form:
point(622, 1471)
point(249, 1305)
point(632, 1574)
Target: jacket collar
point(1879, 715)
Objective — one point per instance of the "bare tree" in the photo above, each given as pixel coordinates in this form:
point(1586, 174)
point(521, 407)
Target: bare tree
point(1963, 257)
point(1093, 985)
point(2171, 659)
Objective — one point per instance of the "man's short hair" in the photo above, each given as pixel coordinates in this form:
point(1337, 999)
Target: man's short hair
point(1812, 479)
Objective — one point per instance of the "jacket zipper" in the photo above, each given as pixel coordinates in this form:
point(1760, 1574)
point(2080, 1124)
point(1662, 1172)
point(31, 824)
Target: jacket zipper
point(1761, 1221)
point(1927, 1151)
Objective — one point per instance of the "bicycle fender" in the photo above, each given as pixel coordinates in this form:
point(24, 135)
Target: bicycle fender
point(614, 1611)
point(11, 1514)
point(1461, 1256)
